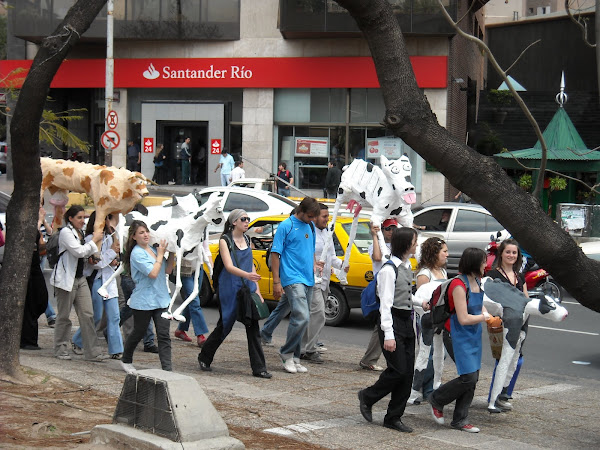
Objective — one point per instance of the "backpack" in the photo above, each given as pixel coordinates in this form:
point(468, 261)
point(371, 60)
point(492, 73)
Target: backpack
point(369, 300)
point(438, 304)
point(52, 252)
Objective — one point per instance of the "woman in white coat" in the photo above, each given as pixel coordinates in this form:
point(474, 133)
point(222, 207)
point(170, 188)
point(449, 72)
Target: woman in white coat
point(71, 288)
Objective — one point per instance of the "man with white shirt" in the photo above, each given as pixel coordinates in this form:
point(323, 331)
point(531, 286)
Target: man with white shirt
point(317, 305)
point(238, 172)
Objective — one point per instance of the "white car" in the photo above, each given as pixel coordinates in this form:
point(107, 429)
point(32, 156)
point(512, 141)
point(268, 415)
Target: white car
point(591, 249)
point(262, 184)
point(467, 225)
point(255, 202)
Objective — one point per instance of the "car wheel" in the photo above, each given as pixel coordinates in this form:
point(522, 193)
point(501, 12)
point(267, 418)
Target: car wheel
point(336, 307)
point(206, 293)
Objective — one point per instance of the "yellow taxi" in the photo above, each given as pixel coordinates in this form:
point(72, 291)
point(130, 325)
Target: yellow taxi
point(341, 298)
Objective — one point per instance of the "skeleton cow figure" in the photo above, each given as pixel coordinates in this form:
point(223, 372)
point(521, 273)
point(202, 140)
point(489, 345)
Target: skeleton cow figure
point(388, 190)
point(185, 235)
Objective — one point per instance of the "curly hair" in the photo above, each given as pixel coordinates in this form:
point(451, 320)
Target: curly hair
point(429, 253)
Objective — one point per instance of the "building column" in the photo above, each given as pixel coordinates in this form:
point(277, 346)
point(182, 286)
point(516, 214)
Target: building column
point(257, 132)
point(118, 156)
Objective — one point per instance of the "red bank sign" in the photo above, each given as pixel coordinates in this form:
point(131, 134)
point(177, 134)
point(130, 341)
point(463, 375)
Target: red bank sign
point(342, 72)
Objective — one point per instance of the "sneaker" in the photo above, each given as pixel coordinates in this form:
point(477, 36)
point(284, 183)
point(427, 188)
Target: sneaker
point(504, 405)
point(116, 356)
point(300, 368)
point(373, 367)
point(151, 349)
point(468, 428)
point(290, 366)
point(438, 415)
point(64, 356)
point(99, 358)
point(77, 349)
point(321, 347)
point(201, 340)
point(266, 343)
point(128, 367)
point(51, 323)
point(314, 357)
point(180, 334)
point(204, 366)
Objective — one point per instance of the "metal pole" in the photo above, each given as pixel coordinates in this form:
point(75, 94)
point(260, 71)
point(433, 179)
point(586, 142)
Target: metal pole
point(110, 72)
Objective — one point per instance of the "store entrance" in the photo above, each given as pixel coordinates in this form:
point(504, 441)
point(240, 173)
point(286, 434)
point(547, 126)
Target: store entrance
point(172, 134)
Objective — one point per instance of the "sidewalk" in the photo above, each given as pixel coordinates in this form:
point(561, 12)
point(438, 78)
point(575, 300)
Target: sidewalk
point(321, 407)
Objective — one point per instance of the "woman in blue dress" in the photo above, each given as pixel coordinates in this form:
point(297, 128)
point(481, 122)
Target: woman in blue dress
point(468, 313)
point(238, 265)
point(150, 298)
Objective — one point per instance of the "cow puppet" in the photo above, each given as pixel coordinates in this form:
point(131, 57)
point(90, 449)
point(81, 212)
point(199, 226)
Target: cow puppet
point(113, 190)
point(388, 190)
point(504, 300)
point(185, 237)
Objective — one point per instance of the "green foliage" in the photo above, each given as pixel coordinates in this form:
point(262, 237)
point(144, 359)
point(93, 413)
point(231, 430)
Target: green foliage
point(53, 132)
point(557, 183)
point(525, 182)
point(490, 142)
point(499, 98)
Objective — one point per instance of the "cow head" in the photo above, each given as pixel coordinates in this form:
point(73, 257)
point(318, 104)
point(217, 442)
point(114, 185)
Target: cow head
point(211, 210)
point(398, 173)
point(546, 307)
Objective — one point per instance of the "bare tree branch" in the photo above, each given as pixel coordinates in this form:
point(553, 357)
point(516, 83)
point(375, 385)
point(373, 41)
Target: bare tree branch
point(581, 22)
point(522, 53)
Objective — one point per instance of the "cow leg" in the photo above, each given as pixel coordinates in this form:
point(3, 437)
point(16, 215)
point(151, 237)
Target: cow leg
point(512, 374)
point(177, 314)
point(501, 372)
point(420, 365)
point(167, 314)
point(102, 289)
point(438, 359)
point(346, 261)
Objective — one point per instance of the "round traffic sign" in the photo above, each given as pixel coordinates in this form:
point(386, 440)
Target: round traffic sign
point(110, 139)
point(112, 119)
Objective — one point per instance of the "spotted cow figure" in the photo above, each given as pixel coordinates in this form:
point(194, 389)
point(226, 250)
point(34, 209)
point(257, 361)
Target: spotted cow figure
point(388, 190)
point(113, 190)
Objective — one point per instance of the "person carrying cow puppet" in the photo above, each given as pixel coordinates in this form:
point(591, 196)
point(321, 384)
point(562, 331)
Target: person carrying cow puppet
point(467, 313)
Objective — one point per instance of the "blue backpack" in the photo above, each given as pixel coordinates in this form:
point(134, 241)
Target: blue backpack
point(369, 300)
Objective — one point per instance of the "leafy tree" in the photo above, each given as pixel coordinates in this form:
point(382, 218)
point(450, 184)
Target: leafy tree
point(22, 210)
point(409, 116)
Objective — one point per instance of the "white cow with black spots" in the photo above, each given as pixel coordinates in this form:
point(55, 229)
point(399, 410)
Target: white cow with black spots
point(388, 190)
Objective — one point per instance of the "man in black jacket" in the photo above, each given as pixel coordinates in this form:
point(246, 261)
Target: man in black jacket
point(332, 179)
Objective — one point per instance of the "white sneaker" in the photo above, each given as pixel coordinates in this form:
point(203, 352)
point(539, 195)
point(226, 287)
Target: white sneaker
point(128, 368)
point(415, 398)
point(290, 366)
point(300, 368)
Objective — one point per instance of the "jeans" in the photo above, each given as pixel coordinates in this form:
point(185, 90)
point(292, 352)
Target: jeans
point(141, 318)
point(461, 389)
point(185, 171)
point(50, 314)
point(127, 286)
point(281, 310)
point(111, 307)
point(283, 192)
point(193, 310)
point(225, 178)
point(299, 297)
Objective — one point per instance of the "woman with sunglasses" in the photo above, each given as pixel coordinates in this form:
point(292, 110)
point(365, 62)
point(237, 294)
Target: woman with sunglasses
point(432, 267)
point(236, 253)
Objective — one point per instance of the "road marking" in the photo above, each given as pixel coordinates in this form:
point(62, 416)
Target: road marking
point(582, 363)
point(566, 331)
point(570, 303)
point(536, 392)
point(307, 427)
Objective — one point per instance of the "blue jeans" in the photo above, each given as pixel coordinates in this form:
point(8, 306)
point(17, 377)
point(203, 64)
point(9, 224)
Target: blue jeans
point(225, 178)
point(50, 313)
point(281, 310)
point(299, 297)
point(283, 192)
point(193, 310)
point(113, 332)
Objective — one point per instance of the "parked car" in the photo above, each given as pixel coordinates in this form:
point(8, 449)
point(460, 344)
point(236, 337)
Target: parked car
point(262, 184)
point(3, 152)
point(461, 225)
point(341, 299)
point(255, 202)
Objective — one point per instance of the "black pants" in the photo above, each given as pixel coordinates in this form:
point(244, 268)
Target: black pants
point(141, 319)
point(36, 302)
point(255, 351)
point(397, 378)
point(461, 389)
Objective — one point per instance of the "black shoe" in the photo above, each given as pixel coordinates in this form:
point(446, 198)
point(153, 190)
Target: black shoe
point(365, 409)
point(30, 347)
point(314, 357)
point(51, 323)
point(205, 367)
point(151, 349)
point(396, 424)
point(263, 374)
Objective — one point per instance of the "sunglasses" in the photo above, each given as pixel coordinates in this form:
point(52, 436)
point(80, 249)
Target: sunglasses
point(391, 227)
point(245, 219)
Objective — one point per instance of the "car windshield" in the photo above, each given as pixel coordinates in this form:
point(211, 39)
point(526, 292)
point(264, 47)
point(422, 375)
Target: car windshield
point(363, 236)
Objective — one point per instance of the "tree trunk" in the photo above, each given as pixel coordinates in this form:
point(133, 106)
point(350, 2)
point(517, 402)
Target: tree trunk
point(409, 116)
point(22, 211)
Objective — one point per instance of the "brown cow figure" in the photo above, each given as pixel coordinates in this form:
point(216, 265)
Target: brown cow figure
point(113, 190)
